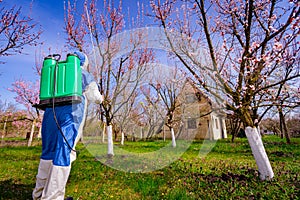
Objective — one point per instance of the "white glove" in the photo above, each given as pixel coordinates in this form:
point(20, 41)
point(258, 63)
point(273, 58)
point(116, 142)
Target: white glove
point(92, 93)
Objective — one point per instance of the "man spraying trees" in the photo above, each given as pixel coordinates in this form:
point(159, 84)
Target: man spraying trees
point(61, 129)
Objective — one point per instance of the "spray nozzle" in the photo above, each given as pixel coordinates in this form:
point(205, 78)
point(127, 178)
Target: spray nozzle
point(54, 56)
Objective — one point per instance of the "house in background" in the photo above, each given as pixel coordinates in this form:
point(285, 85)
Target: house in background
point(200, 117)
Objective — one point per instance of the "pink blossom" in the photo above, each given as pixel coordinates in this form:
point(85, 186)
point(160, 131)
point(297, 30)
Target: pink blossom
point(255, 44)
point(252, 87)
point(27, 92)
point(272, 29)
point(274, 17)
point(277, 46)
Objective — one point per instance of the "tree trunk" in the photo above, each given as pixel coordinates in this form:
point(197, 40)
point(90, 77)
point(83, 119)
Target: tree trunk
point(232, 136)
point(210, 128)
point(283, 127)
point(110, 145)
point(4, 128)
point(31, 133)
point(286, 133)
point(116, 134)
point(173, 137)
point(39, 136)
point(280, 126)
point(257, 147)
point(259, 153)
point(122, 138)
point(235, 128)
point(103, 134)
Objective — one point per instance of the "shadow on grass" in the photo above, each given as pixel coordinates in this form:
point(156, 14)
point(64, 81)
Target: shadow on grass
point(13, 191)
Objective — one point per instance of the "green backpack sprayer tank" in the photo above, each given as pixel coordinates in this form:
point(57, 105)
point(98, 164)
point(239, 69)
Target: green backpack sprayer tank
point(60, 81)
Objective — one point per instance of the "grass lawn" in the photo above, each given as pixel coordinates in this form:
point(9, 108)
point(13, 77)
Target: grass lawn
point(228, 171)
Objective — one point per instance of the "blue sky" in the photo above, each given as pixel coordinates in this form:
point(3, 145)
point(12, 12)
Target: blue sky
point(50, 15)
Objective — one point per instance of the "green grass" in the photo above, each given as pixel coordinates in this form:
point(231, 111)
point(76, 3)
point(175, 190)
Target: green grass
point(228, 171)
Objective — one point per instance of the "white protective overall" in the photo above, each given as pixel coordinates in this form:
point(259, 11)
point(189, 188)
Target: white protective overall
point(57, 156)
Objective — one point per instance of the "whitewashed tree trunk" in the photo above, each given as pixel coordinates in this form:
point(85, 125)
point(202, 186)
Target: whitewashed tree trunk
point(110, 145)
point(258, 131)
point(103, 134)
point(4, 128)
point(39, 136)
point(211, 128)
point(31, 133)
point(259, 153)
point(173, 138)
point(122, 138)
point(3, 131)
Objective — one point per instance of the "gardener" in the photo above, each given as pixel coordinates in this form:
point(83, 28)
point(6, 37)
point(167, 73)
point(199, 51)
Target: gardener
point(58, 153)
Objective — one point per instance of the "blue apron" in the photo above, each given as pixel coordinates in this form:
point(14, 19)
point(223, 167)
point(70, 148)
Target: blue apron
point(69, 117)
